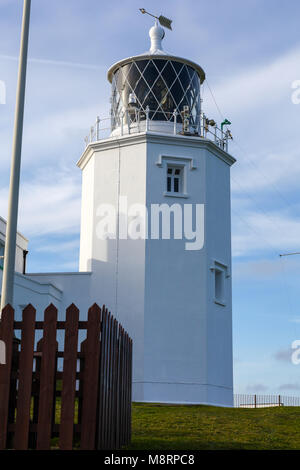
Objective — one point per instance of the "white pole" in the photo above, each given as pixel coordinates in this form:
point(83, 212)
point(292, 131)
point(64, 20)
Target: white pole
point(13, 201)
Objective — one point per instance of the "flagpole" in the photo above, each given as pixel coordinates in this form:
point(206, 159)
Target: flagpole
point(13, 202)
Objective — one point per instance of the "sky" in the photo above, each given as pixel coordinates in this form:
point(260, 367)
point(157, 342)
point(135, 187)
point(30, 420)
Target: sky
point(250, 52)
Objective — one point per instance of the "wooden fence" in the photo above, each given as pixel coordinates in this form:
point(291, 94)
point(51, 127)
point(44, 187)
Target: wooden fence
point(87, 404)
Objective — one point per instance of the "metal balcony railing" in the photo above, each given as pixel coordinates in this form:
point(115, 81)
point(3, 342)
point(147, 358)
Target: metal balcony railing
point(133, 121)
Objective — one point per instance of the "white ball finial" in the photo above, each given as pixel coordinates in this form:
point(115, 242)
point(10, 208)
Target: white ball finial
point(156, 33)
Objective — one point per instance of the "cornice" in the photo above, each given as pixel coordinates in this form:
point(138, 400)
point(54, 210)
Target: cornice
point(154, 137)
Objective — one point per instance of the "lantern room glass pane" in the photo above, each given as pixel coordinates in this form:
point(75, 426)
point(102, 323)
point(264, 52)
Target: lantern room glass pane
point(161, 84)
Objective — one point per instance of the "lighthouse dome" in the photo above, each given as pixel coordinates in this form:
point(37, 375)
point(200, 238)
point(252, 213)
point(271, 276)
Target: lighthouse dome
point(156, 84)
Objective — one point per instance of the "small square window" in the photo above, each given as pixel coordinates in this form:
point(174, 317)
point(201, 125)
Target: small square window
point(174, 179)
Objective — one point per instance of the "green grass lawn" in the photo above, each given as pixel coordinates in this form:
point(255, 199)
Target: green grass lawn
point(167, 427)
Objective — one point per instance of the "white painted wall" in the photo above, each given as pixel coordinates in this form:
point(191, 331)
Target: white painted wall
point(188, 343)
point(161, 293)
point(118, 267)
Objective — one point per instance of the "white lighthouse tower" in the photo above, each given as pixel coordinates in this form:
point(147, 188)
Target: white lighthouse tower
point(172, 293)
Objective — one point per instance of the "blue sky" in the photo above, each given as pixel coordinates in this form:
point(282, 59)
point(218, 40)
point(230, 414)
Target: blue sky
point(250, 52)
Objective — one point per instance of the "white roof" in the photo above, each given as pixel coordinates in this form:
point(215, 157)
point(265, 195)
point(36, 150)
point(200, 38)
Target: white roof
point(156, 51)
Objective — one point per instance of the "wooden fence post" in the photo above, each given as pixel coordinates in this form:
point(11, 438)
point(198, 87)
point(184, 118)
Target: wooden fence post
point(25, 379)
point(6, 335)
point(69, 379)
point(47, 380)
point(90, 381)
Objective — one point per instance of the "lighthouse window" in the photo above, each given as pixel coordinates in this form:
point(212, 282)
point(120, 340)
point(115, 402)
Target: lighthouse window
point(174, 179)
point(220, 272)
point(219, 276)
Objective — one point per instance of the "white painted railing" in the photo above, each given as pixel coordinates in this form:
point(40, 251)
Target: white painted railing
point(133, 121)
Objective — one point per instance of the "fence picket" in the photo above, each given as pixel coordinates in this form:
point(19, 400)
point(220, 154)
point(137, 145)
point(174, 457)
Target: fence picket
point(90, 382)
point(109, 404)
point(101, 412)
point(25, 379)
point(69, 379)
point(47, 379)
point(6, 335)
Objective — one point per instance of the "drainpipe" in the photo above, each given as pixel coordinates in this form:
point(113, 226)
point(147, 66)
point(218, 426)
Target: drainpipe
point(25, 253)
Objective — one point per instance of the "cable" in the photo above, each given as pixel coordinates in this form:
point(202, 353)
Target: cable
point(260, 209)
point(254, 165)
point(244, 153)
point(273, 248)
point(215, 101)
point(286, 286)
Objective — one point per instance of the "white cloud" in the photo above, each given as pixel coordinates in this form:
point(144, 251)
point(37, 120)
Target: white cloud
point(49, 204)
point(260, 86)
point(257, 388)
point(262, 269)
point(267, 171)
point(59, 247)
point(58, 133)
point(290, 386)
point(56, 63)
point(255, 233)
point(284, 355)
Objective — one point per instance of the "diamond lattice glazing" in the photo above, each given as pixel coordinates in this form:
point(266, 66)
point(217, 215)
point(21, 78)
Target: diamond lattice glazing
point(162, 85)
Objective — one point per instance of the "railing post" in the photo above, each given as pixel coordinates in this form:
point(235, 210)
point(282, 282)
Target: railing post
point(204, 125)
point(122, 123)
point(128, 120)
point(254, 401)
point(175, 113)
point(147, 118)
point(98, 128)
point(137, 119)
point(201, 125)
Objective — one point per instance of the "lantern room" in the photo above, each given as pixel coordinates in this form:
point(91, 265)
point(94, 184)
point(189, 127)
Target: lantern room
point(157, 86)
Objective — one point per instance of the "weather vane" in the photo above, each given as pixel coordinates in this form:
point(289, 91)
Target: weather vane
point(166, 22)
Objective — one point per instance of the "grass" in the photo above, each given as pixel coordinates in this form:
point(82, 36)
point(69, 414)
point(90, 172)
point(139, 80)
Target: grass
point(167, 427)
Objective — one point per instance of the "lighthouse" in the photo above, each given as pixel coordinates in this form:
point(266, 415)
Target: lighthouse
point(156, 230)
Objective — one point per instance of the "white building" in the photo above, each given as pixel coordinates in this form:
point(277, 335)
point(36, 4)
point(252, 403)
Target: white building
point(174, 302)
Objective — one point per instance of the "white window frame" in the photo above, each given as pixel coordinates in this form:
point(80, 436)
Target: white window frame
point(221, 270)
point(181, 179)
point(184, 164)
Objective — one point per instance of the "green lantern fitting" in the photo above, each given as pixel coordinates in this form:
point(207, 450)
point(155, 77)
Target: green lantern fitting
point(225, 123)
